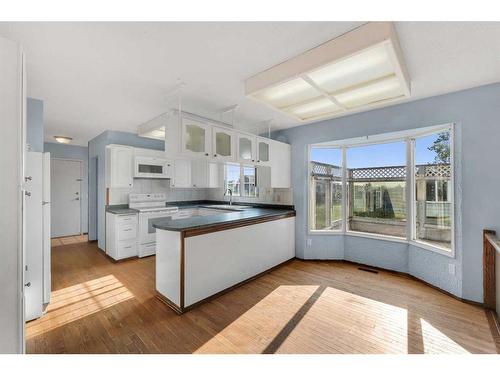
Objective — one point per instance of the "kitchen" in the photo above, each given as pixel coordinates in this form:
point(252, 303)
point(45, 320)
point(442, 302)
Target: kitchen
point(319, 189)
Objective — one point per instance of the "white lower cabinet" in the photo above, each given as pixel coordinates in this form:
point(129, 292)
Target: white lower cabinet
point(121, 235)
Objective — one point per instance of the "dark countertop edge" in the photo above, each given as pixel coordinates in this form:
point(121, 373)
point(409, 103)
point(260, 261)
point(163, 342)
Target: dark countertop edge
point(250, 204)
point(214, 227)
point(124, 207)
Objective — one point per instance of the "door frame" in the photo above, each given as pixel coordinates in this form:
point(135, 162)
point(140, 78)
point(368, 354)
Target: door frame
point(81, 180)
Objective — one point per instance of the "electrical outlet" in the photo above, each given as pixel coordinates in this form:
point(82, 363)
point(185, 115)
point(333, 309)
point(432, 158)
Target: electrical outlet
point(309, 241)
point(451, 268)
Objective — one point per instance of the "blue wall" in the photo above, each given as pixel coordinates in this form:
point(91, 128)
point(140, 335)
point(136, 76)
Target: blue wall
point(97, 183)
point(34, 124)
point(477, 115)
point(62, 151)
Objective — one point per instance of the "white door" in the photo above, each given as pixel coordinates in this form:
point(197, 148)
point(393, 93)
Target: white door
point(65, 180)
point(34, 236)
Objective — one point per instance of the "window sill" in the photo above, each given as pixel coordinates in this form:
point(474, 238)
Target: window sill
point(376, 236)
point(325, 232)
point(435, 249)
point(422, 245)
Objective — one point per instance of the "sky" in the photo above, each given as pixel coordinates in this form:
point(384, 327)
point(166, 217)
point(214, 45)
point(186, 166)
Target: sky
point(380, 155)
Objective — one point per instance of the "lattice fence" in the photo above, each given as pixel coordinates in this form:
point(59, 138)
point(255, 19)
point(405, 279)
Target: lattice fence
point(394, 173)
point(434, 170)
point(333, 172)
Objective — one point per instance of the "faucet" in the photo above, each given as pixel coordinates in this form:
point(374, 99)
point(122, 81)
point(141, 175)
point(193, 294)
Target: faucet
point(230, 196)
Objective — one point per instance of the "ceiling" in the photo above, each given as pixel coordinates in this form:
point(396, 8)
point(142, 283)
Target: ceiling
point(99, 76)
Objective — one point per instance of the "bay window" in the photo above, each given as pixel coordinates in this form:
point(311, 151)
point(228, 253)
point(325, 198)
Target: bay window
point(364, 187)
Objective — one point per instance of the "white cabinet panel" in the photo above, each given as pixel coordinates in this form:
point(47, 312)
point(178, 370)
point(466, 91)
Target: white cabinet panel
point(246, 148)
point(182, 174)
point(121, 235)
point(119, 166)
point(280, 155)
point(204, 174)
point(263, 151)
point(223, 145)
point(196, 138)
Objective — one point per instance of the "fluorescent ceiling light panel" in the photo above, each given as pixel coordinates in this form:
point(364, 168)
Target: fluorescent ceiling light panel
point(363, 67)
point(377, 91)
point(313, 109)
point(288, 93)
point(360, 69)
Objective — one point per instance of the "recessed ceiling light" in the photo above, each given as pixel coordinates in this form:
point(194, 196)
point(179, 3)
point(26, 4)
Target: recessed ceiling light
point(361, 68)
point(62, 139)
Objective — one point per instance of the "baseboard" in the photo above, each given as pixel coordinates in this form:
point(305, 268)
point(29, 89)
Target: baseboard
point(398, 273)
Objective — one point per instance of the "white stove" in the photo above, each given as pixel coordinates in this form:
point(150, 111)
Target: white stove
point(151, 208)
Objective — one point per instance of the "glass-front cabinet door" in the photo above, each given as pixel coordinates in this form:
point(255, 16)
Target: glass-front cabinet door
point(196, 138)
point(222, 144)
point(246, 148)
point(263, 148)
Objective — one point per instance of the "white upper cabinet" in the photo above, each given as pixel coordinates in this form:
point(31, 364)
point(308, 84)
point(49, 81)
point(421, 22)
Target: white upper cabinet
point(263, 151)
point(205, 174)
point(196, 138)
point(246, 148)
point(119, 166)
point(280, 162)
point(223, 145)
point(182, 174)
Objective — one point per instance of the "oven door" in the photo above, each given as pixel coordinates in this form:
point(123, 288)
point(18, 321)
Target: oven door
point(147, 233)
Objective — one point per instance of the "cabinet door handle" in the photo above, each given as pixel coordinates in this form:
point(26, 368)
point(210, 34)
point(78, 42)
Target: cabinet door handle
point(206, 154)
point(127, 230)
point(215, 155)
point(27, 193)
point(28, 178)
point(128, 247)
point(28, 284)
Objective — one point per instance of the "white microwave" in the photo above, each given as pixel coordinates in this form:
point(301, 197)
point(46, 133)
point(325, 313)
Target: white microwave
point(149, 167)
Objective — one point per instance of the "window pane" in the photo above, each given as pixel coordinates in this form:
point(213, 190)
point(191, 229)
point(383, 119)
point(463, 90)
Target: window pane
point(376, 178)
point(233, 178)
point(249, 181)
point(326, 189)
point(433, 219)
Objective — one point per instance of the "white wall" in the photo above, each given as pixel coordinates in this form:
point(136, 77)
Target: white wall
point(11, 318)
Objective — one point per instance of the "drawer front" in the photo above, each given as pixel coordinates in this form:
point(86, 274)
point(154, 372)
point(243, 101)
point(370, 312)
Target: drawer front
point(127, 249)
point(126, 219)
point(127, 232)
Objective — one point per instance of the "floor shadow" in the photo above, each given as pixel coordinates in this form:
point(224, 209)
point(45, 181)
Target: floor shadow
point(293, 322)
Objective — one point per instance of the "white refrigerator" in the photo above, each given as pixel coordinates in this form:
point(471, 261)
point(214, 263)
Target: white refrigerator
point(37, 234)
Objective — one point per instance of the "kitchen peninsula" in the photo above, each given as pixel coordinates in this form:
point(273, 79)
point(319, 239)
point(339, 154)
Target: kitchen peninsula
point(200, 257)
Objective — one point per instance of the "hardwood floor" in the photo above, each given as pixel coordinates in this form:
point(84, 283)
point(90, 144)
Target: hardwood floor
point(60, 241)
point(303, 307)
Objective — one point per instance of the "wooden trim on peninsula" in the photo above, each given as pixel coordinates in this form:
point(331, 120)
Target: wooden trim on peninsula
point(489, 287)
point(232, 225)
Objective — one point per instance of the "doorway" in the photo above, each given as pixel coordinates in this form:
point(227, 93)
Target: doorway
point(65, 181)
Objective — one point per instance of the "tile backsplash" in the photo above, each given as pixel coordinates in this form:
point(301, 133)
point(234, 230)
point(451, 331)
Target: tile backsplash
point(147, 185)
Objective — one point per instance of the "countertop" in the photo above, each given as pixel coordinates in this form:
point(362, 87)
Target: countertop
point(198, 222)
point(120, 210)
